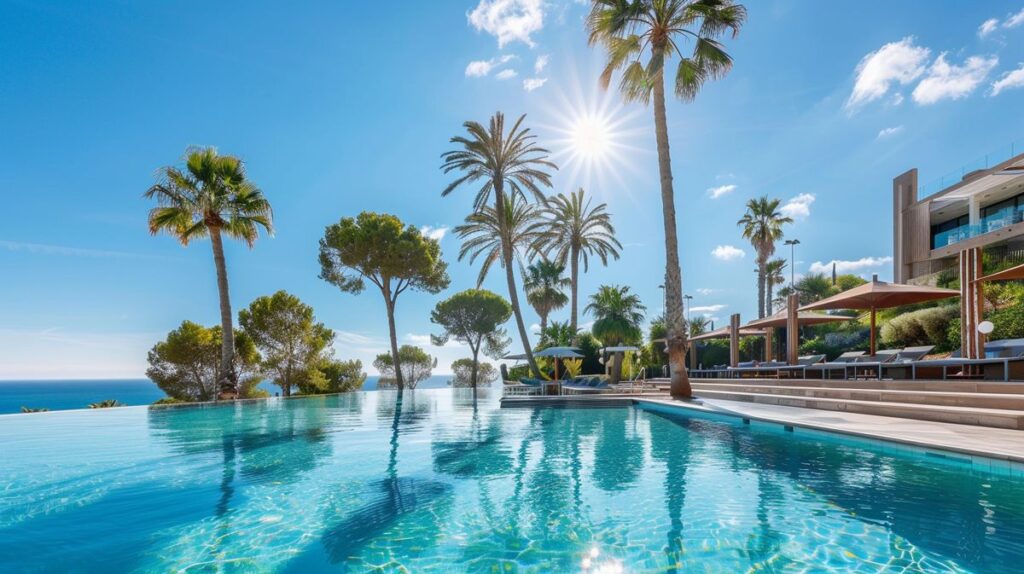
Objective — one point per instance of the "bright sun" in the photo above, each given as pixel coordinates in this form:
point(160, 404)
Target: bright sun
point(591, 137)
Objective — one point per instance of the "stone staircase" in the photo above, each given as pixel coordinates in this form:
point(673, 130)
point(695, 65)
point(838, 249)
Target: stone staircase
point(992, 404)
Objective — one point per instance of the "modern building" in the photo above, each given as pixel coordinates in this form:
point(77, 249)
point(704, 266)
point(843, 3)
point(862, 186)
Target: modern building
point(985, 208)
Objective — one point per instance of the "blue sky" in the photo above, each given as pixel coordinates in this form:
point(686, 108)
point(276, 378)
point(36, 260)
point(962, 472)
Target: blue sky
point(343, 107)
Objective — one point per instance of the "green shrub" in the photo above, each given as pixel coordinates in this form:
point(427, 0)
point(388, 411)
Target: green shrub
point(170, 401)
point(921, 327)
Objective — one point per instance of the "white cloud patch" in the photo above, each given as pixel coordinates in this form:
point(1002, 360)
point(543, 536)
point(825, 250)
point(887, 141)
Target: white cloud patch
point(531, 84)
point(894, 63)
point(987, 27)
point(705, 291)
point(424, 341)
point(508, 20)
point(1009, 80)
point(436, 233)
point(716, 192)
point(481, 68)
point(889, 132)
point(798, 207)
point(1014, 20)
point(506, 74)
point(540, 64)
point(947, 81)
point(855, 266)
point(728, 252)
point(63, 250)
point(707, 308)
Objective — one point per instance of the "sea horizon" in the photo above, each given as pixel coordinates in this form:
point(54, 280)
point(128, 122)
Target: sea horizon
point(69, 394)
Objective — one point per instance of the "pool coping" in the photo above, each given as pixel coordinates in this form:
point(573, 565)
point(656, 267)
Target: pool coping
point(859, 425)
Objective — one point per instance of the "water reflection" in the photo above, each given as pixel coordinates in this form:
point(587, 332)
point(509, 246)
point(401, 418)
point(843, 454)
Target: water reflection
point(392, 499)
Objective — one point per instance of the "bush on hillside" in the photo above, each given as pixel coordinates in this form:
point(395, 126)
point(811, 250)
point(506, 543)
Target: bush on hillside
point(921, 327)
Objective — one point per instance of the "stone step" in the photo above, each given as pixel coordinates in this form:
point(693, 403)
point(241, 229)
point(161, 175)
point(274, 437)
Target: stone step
point(999, 387)
point(998, 418)
point(983, 400)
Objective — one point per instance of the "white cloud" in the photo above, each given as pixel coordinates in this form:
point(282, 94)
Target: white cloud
point(798, 207)
point(889, 132)
point(436, 233)
point(1014, 20)
point(946, 81)
point(535, 328)
point(506, 74)
point(987, 27)
point(855, 266)
point(728, 252)
point(540, 64)
point(43, 249)
point(531, 84)
point(894, 63)
point(1009, 80)
point(707, 308)
point(705, 291)
point(424, 341)
point(480, 68)
point(716, 192)
point(508, 20)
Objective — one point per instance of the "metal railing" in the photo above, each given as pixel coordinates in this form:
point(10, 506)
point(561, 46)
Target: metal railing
point(986, 161)
point(1003, 218)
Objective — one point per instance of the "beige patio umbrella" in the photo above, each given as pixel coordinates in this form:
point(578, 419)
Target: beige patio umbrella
point(782, 318)
point(876, 294)
point(1005, 275)
point(723, 333)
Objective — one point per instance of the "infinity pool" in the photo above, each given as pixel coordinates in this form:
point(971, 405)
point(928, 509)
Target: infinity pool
point(438, 483)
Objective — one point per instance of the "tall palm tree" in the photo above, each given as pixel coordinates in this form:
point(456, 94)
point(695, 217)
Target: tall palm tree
point(698, 325)
point(774, 275)
point(507, 165)
point(544, 284)
point(618, 315)
point(576, 231)
point(762, 226)
point(211, 197)
point(653, 31)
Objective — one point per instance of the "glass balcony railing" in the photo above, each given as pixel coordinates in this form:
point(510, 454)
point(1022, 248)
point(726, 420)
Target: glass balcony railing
point(986, 161)
point(988, 224)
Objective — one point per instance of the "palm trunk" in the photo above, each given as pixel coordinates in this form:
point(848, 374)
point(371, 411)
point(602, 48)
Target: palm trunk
point(228, 381)
point(760, 289)
point(543, 323)
point(676, 334)
point(510, 278)
point(575, 271)
point(770, 287)
point(399, 380)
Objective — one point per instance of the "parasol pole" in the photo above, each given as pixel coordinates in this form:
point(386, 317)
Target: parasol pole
point(872, 331)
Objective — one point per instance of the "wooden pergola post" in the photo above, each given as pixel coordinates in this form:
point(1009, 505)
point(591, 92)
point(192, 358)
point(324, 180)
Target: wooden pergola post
point(792, 329)
point(972, 343)
point(734, 340)
point(769, 340)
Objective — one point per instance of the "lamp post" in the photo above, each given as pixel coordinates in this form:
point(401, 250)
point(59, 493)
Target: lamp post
point(686, 302)
point(792, 243)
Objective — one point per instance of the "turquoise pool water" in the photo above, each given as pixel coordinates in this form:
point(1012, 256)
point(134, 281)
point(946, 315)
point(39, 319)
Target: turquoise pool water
point(438, 483)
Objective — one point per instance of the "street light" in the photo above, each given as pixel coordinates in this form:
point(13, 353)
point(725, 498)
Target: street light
point(792, 243)
point(686, 299)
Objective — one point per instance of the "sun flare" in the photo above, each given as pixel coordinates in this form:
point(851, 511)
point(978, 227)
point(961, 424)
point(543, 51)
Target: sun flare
point(591, 135)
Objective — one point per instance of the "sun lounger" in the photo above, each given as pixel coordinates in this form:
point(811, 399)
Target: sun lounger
point(839, 364)
point(753, 368)
point(870, 366)
point(905, 359)
point(802, 363)
point(522, 387)
point(995, 355)
point(585, 386)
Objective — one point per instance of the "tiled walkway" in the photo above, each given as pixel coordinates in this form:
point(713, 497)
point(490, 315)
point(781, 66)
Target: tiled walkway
point(999, 444)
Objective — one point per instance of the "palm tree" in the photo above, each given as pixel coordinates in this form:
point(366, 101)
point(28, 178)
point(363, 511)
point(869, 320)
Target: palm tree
point(544, 283)
point(558, 334)
point(211, 198)
point(618, 315)
point(762, 226)
point(654, 30)
point(698, 325)
point(576, 231)
point(774, 275)
point(508, 165)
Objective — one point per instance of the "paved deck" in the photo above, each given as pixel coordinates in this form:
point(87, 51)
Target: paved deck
point(1000, 444)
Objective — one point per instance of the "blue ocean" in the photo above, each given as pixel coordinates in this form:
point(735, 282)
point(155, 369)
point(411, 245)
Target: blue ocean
point(78, 394)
